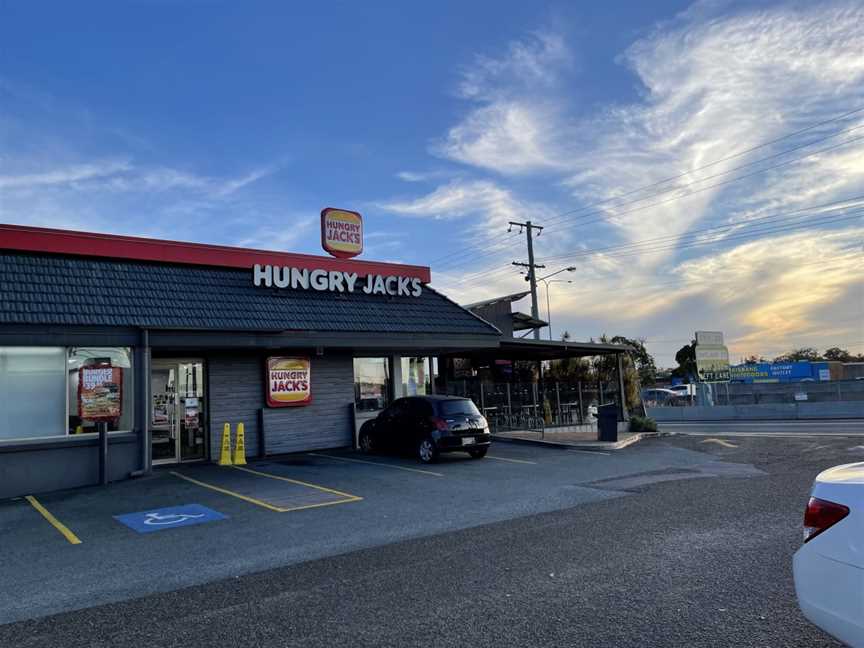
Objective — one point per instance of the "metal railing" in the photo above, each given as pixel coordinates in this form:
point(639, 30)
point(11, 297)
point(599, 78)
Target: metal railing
point(532, 406)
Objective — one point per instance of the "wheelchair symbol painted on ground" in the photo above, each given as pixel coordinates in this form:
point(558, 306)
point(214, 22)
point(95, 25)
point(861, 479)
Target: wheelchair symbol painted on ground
point(171, 517)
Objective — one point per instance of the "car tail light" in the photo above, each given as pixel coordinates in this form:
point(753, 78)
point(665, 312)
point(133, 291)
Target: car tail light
point(440, 423)
point(821, 515)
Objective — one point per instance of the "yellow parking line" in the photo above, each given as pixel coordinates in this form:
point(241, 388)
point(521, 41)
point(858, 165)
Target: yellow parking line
point(521, 461)
point(349, 496)
point(57, 524)
point(277, 509)
point(378, 463)
point(225, 491)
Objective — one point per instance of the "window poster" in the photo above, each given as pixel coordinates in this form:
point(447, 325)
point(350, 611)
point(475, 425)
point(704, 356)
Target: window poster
point(100, 392)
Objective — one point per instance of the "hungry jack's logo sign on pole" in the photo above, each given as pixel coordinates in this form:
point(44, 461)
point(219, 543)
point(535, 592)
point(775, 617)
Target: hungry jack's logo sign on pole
point(289, 381)
point(341, 232)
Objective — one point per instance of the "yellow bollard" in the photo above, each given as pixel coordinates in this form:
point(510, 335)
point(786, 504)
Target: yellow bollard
point(240, 446)
point(225, 456)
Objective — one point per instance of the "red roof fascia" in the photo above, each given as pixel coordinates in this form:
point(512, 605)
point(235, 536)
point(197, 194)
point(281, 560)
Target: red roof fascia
point(54, 241)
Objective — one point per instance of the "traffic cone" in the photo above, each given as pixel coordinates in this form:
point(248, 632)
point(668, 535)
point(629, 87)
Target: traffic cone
point(225, 456)
point(240, 446)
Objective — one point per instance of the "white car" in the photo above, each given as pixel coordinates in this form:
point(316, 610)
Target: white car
point(829, 567)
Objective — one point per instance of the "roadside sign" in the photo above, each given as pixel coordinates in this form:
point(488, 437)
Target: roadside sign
point(169, 518)
point(712, 357)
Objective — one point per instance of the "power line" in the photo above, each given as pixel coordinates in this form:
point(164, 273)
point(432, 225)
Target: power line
point(606, 217)
point(714, 279)
point(644, 247)
point(714, 163)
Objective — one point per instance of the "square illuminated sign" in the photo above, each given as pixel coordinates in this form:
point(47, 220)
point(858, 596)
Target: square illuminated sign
point(289, 381)
point(341, 232)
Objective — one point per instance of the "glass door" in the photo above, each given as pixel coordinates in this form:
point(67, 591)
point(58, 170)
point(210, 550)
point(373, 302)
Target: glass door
point(178, 414)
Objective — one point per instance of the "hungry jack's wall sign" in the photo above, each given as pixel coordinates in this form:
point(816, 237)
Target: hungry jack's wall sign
point(335, 281)
point(289, 381)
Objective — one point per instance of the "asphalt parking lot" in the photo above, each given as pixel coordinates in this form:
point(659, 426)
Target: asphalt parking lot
point(280, 512)
point(683, 541)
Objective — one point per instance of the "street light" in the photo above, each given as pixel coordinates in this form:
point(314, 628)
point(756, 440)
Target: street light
point(546, 282)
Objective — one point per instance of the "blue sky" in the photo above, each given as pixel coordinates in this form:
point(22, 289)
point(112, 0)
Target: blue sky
point(236, 123)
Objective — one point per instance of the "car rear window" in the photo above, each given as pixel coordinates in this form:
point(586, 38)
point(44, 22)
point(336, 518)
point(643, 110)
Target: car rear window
point(454, 407)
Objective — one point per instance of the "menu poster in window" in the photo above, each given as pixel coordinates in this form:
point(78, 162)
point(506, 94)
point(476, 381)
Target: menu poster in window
point(289, 382)
point(100, 393)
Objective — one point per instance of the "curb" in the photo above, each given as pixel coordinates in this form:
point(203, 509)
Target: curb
point(586, 445)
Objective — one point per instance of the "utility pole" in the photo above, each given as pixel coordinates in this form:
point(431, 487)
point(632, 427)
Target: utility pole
point(532, 267)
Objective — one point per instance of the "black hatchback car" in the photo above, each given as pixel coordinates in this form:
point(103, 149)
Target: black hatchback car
point(427, 426)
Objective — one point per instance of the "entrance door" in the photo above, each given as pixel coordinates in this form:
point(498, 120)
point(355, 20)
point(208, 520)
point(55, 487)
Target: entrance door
point(178, 414)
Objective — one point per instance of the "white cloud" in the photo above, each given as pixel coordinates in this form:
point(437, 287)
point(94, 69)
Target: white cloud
point(532, 63)
point(486, 203)
point(423, 176)
point(508, 130)
point(65, 175)
point(715, 86)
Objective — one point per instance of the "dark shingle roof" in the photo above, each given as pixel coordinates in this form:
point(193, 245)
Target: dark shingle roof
point(46, 289)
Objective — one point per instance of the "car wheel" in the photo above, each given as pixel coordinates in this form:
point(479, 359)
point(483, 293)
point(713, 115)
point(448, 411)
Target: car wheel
point(366, 443)
point(426, 451)
point(478, 453)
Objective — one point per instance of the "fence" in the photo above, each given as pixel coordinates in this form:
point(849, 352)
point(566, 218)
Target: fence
point(535, 406)
point(721, 394)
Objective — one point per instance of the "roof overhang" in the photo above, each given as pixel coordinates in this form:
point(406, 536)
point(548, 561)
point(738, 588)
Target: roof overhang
point(523, 322)
point(527, 349)
point(53, 241)
point(495, 300)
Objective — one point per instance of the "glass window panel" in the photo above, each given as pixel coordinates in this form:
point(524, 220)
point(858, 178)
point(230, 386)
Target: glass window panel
point(371, 384)
point(32, 392)
point(108, 397)
point(415, 376)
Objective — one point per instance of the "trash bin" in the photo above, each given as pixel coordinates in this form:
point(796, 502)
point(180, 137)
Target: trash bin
point(607, 422)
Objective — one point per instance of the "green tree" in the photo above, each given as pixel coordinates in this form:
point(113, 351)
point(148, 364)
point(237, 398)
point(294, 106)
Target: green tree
point(644, 361)
point(804, 353)
point(837, 354)
point(686, 359)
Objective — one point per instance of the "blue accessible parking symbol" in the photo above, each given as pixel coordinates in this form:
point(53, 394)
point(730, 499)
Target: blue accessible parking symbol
point(169, 518)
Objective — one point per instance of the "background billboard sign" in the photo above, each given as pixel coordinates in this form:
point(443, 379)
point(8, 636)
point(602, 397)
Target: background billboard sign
point(341, 232)
point(289, 382)
point(712, 363)
point(709, 338)
point(768, 372)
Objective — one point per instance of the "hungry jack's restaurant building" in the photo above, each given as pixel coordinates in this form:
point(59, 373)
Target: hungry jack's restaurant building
point(164, 342)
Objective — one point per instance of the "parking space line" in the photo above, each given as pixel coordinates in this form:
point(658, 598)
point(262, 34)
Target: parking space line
point(377, 463)
point(348, 496)
point(225, 491)
point(519, 461)
point(57, 524)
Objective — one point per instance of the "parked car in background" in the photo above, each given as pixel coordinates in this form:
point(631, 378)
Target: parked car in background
point(427, 426)
point(660, 396)
point(685, 391)
point(829, 567)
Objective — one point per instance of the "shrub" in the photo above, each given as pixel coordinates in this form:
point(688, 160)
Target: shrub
point(642, 424)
